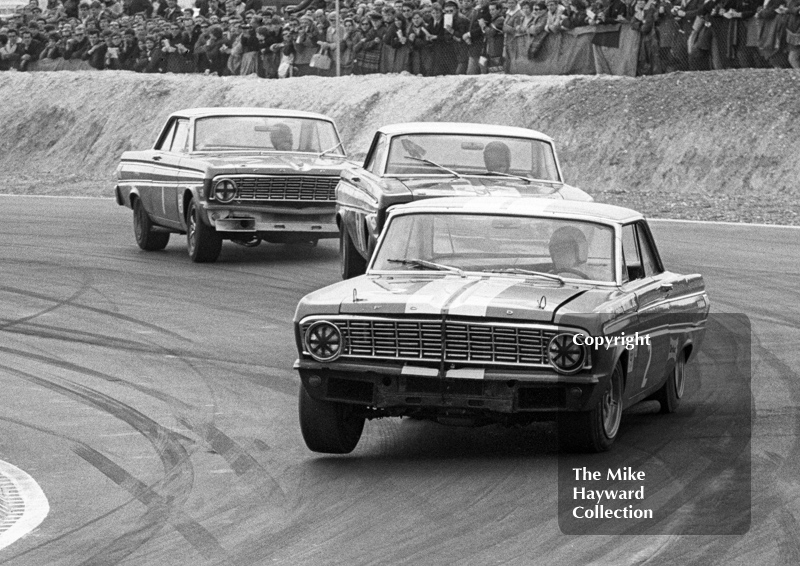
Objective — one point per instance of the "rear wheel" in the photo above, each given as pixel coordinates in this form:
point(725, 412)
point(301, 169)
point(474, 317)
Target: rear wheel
point(353, 264)
point(669, 396)
point(144, 230)
point(595, 430)
point(328, 427)
point(203, 242)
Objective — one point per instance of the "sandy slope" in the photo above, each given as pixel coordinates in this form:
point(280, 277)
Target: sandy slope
point(718, 145)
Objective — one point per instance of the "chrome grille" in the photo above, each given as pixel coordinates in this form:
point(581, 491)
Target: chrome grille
point(304, 188)
point(464, 342)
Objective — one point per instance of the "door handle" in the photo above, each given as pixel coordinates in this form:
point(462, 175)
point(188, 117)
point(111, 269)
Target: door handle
point(156, 158)
point(665, 287)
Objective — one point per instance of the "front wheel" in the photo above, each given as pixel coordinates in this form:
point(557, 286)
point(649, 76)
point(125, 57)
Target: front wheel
point(669, 396)
point(147, 238)
point(203, 242)
point(328, 427)
point(353, 264)
point(595, 430)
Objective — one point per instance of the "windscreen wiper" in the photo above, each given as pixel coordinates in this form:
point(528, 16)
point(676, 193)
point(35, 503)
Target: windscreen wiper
point(501, 174)
point(429, 162)
point(519, 271)
point(427, 265)
point(330, 149)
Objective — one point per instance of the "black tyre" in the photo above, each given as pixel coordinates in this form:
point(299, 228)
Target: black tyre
point(595, 430)
point(144, 230)
point(353, 264)
point(669, 396)
point(327, 427)
point(202, 240)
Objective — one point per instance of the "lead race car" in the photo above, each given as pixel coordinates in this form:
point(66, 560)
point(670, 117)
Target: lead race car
point(499, 310)
point(239, 174)
point(414, 161)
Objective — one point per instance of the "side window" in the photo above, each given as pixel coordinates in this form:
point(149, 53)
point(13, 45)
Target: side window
point(166, 140)
point(649, 263)
point(630, 253)
point(181, 138)
point(375, 159)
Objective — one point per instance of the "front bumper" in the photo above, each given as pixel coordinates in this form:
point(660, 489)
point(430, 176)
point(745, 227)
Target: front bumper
point(317, 221)
point(405, 389)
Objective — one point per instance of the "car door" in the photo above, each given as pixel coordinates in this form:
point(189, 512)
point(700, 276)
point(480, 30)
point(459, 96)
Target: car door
point(175, 181)
point(650, 284)
point(357, 194)
point(153, 196)
point(166, 170)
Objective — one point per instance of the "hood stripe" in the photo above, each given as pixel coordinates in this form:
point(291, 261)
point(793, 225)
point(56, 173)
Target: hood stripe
point(432, 298)
point(476, 301)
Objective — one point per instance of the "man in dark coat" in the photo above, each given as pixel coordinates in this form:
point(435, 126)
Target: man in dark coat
point(77, 45)
point(28, 50)
point(96, 53)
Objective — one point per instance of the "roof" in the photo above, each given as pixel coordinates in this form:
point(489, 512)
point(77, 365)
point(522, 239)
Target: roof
point(523, 206)
point(248, 111)
point(462, 128)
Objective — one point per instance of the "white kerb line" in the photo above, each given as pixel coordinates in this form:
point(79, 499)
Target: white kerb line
point(23, 503)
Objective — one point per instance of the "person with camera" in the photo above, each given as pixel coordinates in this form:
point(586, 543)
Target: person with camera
point(491, 59)
point(95, 55)
point(305, 46)
point(250, 51)
point(643, 20)
point(77, 45)
point(151, 59)
point(419, 36)
point(368, 48)
point(175, 47)
point(128, 50)
point(52, 50)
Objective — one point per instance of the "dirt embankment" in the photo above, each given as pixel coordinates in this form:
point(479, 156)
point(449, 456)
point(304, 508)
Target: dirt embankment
point(717, 146)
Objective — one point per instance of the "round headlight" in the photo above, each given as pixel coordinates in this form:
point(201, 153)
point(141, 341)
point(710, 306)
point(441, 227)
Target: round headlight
point(565, 355)
point(323, 341)
point(225, 190)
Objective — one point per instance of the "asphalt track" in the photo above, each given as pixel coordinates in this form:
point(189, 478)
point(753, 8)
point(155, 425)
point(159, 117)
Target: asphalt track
point(154, 402)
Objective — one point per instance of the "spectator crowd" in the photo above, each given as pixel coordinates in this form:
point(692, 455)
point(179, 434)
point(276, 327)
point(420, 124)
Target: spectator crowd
point(423, 37)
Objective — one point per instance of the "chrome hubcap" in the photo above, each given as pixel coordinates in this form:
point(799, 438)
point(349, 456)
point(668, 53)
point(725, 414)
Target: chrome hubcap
point(190, 232)
point(680, 381)
point(137, 225)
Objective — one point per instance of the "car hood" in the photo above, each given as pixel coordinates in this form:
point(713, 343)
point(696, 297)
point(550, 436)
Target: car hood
point(498, 297)
point(272, 163)
point(491, 186)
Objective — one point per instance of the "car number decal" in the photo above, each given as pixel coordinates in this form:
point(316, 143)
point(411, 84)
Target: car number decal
point(647, 367)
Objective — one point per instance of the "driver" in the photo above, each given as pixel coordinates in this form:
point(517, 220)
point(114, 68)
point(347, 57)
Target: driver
point(281, 137)
point(569, 251)
point(497, 157)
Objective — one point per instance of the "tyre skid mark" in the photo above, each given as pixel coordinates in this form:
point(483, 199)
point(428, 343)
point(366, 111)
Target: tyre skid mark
point(243, 464)
point(49, 332)
point(65, 535)
point(788, 544)
point(177, 482)
point(69, 302)
point(83, 370)
point(158, 507)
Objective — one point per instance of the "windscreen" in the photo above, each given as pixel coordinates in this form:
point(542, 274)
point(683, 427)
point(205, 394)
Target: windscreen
point(496, 243)
point(232, 133)
point(431, 154)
